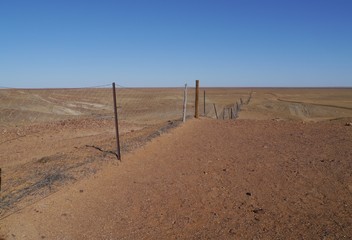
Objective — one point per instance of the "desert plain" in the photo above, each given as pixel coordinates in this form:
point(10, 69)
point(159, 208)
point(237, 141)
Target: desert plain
point(280, 170)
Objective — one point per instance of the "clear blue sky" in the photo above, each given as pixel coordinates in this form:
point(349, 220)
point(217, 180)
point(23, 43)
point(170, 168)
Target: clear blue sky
point(71, 43)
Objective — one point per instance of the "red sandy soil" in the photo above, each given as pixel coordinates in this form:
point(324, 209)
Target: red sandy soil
point(209, 179)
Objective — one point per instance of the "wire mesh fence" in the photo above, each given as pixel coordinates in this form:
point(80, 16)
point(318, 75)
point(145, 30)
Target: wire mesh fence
point(223, 103)
point(53, 136)
point(150, 106)
point(139, 105)
point(19, 107)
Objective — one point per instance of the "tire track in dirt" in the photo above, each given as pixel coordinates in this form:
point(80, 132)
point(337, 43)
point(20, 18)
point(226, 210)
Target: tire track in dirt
point(315, 104)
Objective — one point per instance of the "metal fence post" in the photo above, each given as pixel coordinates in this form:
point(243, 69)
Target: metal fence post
point(204, 103)
point(118, 152)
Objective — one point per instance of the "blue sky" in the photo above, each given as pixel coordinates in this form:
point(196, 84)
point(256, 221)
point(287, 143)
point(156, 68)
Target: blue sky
point(168, 43)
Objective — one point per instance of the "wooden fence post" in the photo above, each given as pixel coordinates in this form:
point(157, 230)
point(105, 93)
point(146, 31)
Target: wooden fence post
point(196, 114)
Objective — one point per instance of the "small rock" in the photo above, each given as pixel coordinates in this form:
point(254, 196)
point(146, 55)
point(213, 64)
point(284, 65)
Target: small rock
point(258, 210)
point(81, 190)
point(248, 194)
point(349, 124)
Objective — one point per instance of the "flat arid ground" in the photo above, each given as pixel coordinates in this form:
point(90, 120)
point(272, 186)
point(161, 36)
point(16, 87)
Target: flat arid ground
point(282, 170)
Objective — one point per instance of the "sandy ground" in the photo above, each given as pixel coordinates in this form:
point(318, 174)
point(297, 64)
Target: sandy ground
point(38, 160)
point(209, 179)
point(48, 139)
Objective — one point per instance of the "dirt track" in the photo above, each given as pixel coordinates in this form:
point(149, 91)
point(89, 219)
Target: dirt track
point(210, 179)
